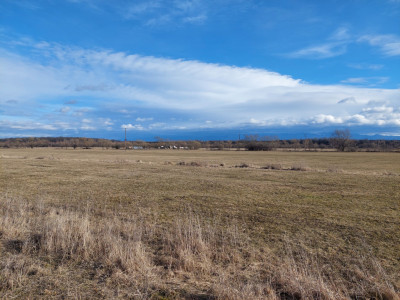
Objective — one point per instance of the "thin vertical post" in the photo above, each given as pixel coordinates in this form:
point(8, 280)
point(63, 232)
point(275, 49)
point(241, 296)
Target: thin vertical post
point(125, 139)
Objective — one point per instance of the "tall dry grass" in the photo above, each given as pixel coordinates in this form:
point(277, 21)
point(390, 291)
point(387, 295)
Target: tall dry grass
point(117, 255)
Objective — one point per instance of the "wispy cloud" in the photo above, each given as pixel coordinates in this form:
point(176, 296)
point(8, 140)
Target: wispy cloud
point(366, 66)
point(26, 125)
point(143, 7)
point(341, 34)
point(144, 119)
point(335, 45)
point(371, 81)
point(65, 109)
point(320, 51)
point(134, 127)
point(176, 94)
point(157, 12)
point(92, 87)
point(195, 19)
point(389, 44)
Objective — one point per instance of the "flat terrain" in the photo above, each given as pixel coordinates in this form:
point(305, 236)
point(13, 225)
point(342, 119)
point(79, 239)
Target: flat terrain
point(212, 224)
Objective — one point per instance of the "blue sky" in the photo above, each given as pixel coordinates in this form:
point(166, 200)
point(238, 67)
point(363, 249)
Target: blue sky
point(187, 69)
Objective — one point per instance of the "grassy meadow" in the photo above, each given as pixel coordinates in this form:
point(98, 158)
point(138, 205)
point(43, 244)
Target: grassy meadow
point(179, 224)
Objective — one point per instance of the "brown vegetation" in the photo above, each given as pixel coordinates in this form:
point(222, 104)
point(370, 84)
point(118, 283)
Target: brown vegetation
point(130, 256)
point(339, 141)
point(81, 224)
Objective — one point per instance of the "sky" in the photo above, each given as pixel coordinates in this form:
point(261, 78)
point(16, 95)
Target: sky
point(191, 69)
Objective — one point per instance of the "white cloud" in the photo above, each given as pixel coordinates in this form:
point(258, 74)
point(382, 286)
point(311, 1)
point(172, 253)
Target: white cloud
point(341, 34)
point(92, 87)
point(87, 124)
point(322, 118)
point(257, 122)
point(81, 111)
point(124, 111)
point(143, 119)
point(88, 127)
point(195, 19)
point(321, 51)
point(134, 10)
point(366, 80)
point(379, 109)
point(335, 45)
point(65, 109)
point(355, 80)
point(388, 43)
point(134, 127)
point(387, 133)
point(108, 122)
point(157, 13)
point(365, 66)
point(157, 125)
point(17, 72)
point(26, 125)
point(190, 94)
point(380, 116)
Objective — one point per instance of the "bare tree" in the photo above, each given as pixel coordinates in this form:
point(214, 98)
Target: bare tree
point(341, 139)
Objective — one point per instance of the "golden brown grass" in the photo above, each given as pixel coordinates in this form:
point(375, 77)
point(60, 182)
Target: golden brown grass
point(141, 224)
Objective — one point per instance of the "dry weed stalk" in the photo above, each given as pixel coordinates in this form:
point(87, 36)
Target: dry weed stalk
point(135, 257)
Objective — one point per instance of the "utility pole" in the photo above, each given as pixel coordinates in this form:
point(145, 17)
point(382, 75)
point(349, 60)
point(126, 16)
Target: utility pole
point(125, 139)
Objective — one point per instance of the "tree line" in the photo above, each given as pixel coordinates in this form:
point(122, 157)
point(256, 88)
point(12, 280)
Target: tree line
point(339, 141)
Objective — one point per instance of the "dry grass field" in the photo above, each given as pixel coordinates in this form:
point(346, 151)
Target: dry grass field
point(176, 224)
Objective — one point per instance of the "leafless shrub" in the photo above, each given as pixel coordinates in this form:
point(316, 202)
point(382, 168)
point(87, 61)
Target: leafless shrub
point(273, 167)
point(243, 165)
point(193, 164)
point(198, 164)
point(216, 165)
point(299, 167)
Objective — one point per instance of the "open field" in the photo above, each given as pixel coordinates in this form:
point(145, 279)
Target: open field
point(166, 224)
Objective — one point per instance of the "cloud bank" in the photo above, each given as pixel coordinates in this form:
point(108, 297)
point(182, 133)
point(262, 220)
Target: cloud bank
point(68, 89)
